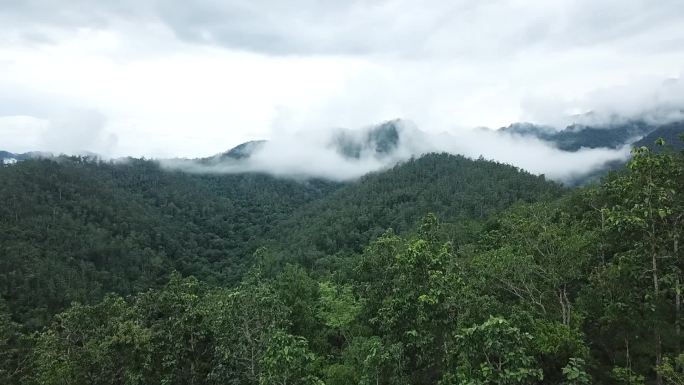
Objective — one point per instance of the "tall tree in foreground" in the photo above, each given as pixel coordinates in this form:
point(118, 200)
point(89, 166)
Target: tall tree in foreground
point(643, 214)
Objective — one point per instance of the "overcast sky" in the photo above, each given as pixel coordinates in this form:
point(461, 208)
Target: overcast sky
point(193, 78)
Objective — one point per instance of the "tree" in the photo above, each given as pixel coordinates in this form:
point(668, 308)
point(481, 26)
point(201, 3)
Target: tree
point(182, 342)
point(338, 307)
point(647, 209)
point(99, 344)
point(671, 370)
point(12, 354)
point(376, 361)
point(243, 320)
point(299, 292)
point(408, 287)
point(494, 352)
point(575, 373)
point(288, 361)
point(541, 256)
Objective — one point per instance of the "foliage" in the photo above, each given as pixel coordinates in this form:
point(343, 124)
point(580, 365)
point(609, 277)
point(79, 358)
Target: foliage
point(75, 229)
point(575, 373)
point(288, 361)
point(626, 376)
point(671, 370)
point(338, 305)
point(494, 352)
point(131, 274)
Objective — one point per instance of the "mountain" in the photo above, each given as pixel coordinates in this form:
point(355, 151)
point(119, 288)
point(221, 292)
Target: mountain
point(236, 154)
point(12, 158)
point(243, 151)
point(8, 157)
point(126, 272)
point(577, 136)
point(529, 129)
point(614, 135)
point(73, 228)
point(455, 188)
point(349, 154)
point(379, 141)
point(671, 133)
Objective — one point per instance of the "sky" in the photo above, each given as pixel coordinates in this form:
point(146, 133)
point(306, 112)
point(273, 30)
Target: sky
point(190, 79)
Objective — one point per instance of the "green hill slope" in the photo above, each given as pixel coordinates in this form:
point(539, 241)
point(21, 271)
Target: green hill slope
point(455, 188)
point(72, 229)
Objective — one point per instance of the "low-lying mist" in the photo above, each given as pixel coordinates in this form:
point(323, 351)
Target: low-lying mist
point(341, 155)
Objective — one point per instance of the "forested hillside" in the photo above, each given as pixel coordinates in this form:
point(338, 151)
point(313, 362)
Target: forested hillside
point(669, 132)
point(459, 190)
point(73, 229)
point(442, 270)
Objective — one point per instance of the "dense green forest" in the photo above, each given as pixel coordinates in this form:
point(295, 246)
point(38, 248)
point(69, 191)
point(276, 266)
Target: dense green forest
point(75, 229)
point(441, 270)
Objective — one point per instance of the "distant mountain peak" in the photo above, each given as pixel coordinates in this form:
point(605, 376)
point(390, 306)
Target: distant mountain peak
point(672, 133)
point(526, 128)
point(8, 158)
point(379, 140)
point(243, 150)
point(609, 134)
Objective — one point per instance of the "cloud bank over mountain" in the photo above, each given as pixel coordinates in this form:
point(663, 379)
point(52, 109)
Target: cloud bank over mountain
point(347, 154)
point(176, 79)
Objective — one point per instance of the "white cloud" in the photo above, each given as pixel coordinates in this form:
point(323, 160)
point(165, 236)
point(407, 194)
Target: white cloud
point(174, 79)
point(314, 154)
point(71, 132)
point(19, 133)
point(79, 131)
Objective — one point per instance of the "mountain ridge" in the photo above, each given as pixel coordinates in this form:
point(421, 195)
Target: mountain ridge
point(379, 140)
point(577, 136)
point(379, 147)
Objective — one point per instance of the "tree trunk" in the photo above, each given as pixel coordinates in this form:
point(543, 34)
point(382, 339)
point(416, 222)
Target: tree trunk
point(627, 357)
point(565, 305)
point(678, 293)
point(678, 312)
point(658, 341)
